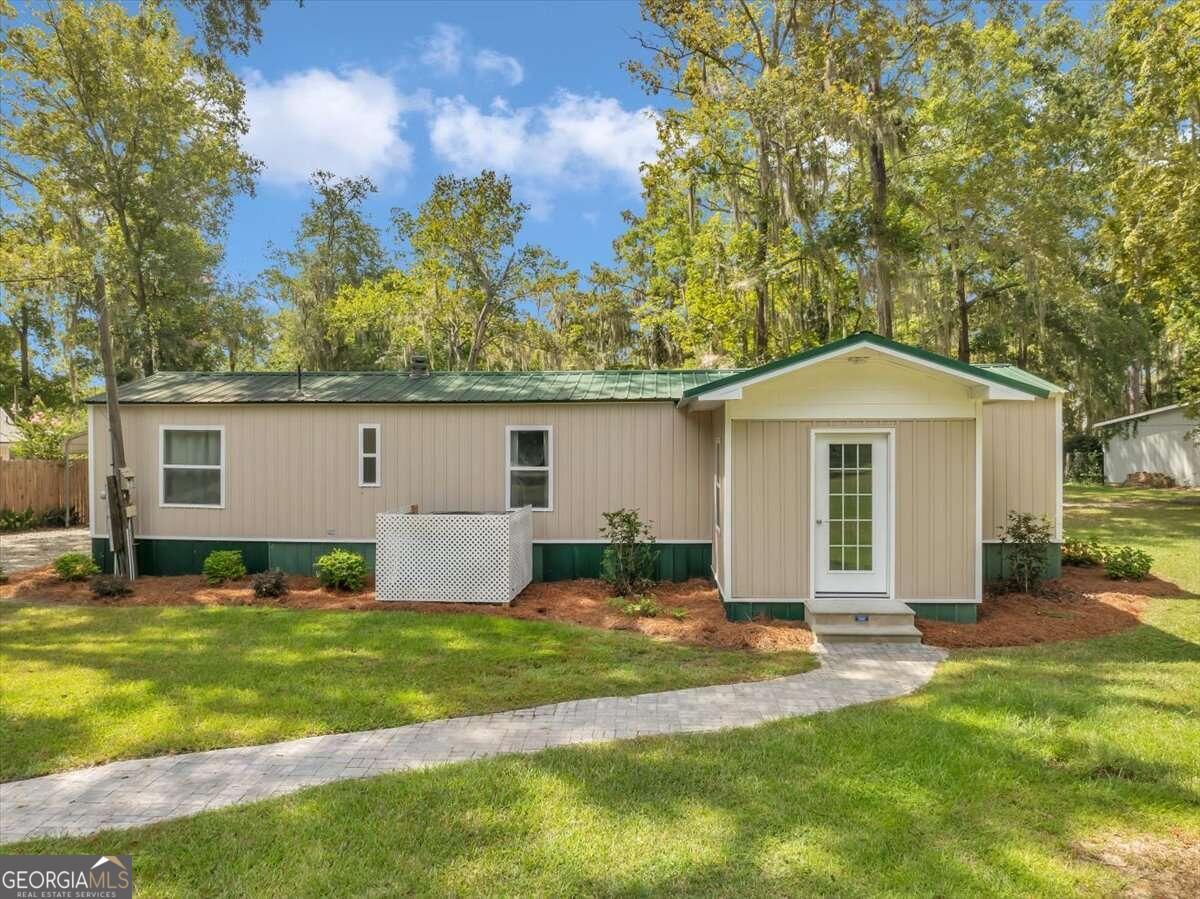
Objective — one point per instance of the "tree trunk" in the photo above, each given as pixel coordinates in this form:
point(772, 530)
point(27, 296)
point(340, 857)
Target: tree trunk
point(118, 525)
point(964, 312)
point(23, 336)
point(880, 241)
point(879, 238)
point(763, 224)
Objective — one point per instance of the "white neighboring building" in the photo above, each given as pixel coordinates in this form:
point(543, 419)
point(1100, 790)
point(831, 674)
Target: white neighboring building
point(1157, 440)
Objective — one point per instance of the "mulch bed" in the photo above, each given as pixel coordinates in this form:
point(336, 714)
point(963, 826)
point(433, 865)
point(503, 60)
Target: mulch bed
point(582, 602)
point(1083, 603)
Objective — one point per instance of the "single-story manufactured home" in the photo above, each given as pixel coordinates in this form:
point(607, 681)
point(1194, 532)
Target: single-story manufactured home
point(1160, 441)
point(863, 468)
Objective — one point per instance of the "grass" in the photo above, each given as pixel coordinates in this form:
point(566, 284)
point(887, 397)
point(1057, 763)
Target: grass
point(84, 685)
point(984, 783)
point(1165, 523)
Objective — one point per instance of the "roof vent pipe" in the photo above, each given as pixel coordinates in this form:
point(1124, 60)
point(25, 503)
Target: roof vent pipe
point(418, 366)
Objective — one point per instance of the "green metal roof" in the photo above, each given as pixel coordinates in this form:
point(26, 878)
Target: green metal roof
point(398, 387)
point(1019, 374)
point(511, 386)
point(1004, 375)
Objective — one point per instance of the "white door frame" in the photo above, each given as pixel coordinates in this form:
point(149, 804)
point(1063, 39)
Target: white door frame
point(813, 467)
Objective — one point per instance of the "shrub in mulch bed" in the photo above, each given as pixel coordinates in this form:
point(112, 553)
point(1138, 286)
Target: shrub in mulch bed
point(694, 614)
point(1083, 603)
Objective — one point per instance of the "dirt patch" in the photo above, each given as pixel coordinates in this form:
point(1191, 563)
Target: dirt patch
point(582, 602)
point(1082, 603)
point(1165, 867)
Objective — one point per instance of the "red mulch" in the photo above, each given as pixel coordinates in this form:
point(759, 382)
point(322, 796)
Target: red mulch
point(1083, 603)
point(582, 602)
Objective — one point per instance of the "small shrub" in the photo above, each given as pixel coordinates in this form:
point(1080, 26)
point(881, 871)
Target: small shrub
point(1126, 563)
point(1026, 538)
point(1082, 552)
point(644, 606)
point(12, 520)
point(75, 567)
point(110, 585)
point(224, 565)
point(679, 613)
point(269, 583)
point(341, 569)
point(630, 557)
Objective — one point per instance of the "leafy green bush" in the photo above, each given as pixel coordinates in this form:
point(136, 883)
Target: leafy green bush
point(644, 606)
point(224, 565)
point(75, 567)
point(679, 613)
point(1126, 563)
point(269, 583)
point(629, 559)
point(341, 569)
point(12, 520)
point(110, 585)
point(1082, 552)
point(1026, 538)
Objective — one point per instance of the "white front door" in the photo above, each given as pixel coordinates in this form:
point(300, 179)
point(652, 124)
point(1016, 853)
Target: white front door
point(851, 514)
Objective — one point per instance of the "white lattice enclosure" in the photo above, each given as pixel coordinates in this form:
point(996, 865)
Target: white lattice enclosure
point(453, 556)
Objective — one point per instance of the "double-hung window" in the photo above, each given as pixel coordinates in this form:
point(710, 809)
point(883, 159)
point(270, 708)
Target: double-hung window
point(530, 474)
point(192, 470)
point(368, 456)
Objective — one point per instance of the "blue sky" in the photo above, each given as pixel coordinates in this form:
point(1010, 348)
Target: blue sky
point(404, 91)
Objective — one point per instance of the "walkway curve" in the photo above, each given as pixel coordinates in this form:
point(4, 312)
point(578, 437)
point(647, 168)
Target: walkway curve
point(143, 791)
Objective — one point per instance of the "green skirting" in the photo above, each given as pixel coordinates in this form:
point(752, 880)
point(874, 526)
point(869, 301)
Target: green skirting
point(772, 611)
point(996, 559)
point(958, 612)
point(551, 561)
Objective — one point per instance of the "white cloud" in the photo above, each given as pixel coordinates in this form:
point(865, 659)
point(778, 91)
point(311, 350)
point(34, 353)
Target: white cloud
point(571, 136)
point(443, 50)
point(489, 62)
point(348, 123)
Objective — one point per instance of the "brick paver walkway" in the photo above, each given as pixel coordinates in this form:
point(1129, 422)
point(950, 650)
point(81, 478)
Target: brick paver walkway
point(126, 794)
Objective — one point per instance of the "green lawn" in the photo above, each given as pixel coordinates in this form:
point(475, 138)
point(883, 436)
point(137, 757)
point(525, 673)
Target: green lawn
point(1165, 523)
point(983, 783)
point(82, 685)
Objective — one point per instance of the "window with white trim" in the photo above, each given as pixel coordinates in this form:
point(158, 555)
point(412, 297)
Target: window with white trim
point(530, 476)
point(192, 466)
point(368, 456)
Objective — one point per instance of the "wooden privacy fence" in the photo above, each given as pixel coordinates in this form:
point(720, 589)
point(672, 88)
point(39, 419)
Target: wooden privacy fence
point(42, 485)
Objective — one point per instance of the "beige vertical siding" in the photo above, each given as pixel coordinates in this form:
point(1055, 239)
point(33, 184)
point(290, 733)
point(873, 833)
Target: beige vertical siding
point(935, 507)
point(291, 471)
point(1020, 462)
point(718, 540)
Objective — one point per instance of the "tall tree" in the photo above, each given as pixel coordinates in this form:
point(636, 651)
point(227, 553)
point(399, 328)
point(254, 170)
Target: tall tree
point(336, 248)
point(466, 232)
point(118, 122)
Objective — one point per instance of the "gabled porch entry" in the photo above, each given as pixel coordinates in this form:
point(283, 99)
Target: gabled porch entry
point(853, 513)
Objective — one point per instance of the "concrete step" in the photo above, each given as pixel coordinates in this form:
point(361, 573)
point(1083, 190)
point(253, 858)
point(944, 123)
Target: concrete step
point(865, 604)
point(859, 612)
point(866, 633)
point(851, 618)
